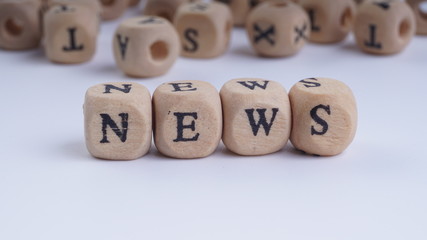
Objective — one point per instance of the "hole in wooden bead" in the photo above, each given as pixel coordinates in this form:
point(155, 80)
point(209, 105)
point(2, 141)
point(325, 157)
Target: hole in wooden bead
point(107, 2)
point(13, 27)
point(159, 51)
point(404, 28)
point(423, 9)
point(346, 18)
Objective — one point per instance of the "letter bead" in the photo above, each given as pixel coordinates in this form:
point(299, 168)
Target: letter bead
point(257, 116)
point(331, 20)
point(164, 8)
point(19, 24)
point(240, 9)
point(278, 29)
point(204, 29)
point(420, 15)
point(94, 5)
point(118, 121)
point(384, 27)
point(188, 119)
point(145, 46)
point(324, 116)
point(113, 9)
point(70, 33)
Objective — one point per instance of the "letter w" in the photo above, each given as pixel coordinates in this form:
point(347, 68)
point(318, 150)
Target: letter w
point(252, 84)
point(262, 120)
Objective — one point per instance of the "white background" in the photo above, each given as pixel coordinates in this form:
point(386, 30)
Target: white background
point(51, 188)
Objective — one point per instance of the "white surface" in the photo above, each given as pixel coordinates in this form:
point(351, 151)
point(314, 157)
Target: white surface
point(51, 188)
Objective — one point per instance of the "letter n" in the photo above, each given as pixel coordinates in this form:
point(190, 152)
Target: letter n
point(108, 122)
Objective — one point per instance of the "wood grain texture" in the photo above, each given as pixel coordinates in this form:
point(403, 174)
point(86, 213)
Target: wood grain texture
point(420, 16)
point(70, 33)
point(384, 27)
point(204, 29)
point(278, 29)
point(20, 24)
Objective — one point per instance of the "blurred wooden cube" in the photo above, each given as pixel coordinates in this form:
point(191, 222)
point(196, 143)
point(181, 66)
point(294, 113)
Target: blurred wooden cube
point(145, 46)
point(331, 20)
point(70, 33)
point(278, 29)
point(384, 27)
point(420, 15)
point(204, 29)
point(113, 9)
point(20, 24)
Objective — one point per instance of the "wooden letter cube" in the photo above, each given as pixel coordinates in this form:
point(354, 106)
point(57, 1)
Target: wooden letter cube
point(118, 121)
point(324, 116)
point(188, 119)
point(70, 33)
point(94, 5)
point(134, 3)
point(331, 20)
point(164, 8)
point(240, 9)
point(278, 29)
point(257, 116)
point(20, 24)
point(113, 9)
point(204, 29)
point(420, 15)
point(384, 27)
point(145, 46)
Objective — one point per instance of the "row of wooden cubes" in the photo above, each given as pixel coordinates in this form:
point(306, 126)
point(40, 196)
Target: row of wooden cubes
point(278, 28)
point(189, 118)
point(275, 28)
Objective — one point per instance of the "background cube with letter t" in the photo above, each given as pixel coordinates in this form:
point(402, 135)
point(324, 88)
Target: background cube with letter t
point(188, 119)
point(118, 121)
point(70, 33)
point(19, 24)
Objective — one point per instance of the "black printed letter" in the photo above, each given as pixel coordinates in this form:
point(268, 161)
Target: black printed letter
point(178, 87)
point(190, 35)
point(123, 44)
point(262, 120)
point(180, 126)
point(318, 120)
point(312, 15)
point(372, 42)
point(252, 84)
point(126, 89)
point(107, 121)
point(73, 46)
point(310, 84)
